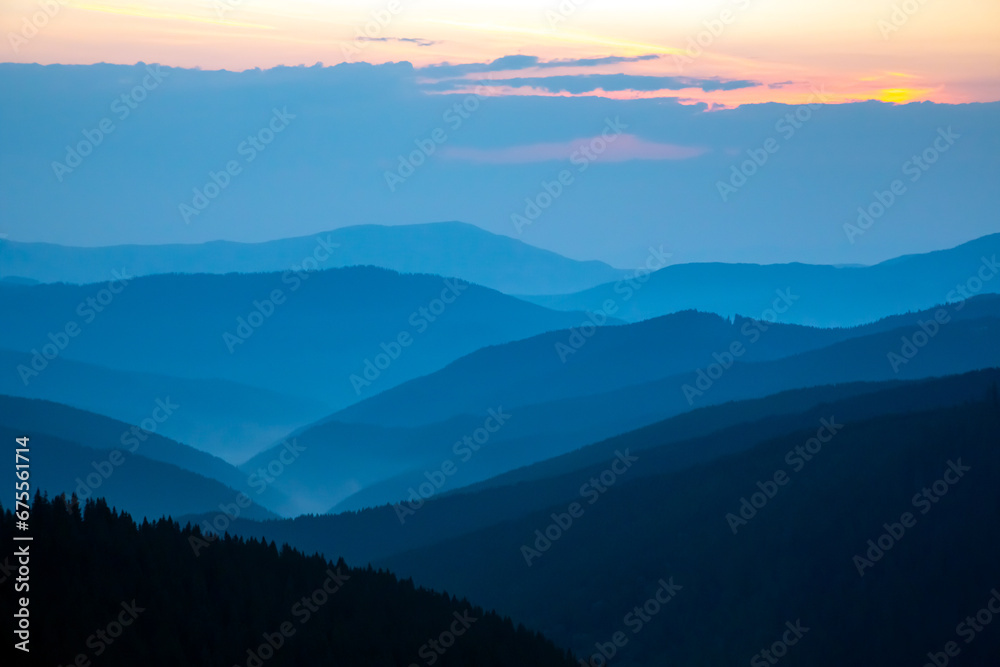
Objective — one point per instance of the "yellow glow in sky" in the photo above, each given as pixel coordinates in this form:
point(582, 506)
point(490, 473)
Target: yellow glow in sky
point(857, 49)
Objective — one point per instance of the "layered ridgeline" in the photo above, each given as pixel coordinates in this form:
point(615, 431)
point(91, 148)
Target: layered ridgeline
point(832, 535)
point(438, 513)
point(329, 337)
point(130, 481)
point(450, 249)
point(513, 405)
point(827, 295)
point(821, 519)
point(580, 362)
point(228, 419)
point(132, 466)
point(105, 589)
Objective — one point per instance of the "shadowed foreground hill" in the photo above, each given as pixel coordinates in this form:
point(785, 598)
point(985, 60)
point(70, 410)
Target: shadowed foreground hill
point(224, 606)
point(678, 444)
point(881, 542)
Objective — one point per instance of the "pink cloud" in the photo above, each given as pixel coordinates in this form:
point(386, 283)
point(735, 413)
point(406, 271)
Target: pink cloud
point(622, 148)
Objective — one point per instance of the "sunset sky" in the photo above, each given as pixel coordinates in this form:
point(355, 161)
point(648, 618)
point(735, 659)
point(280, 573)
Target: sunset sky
point(850, 91)
point(851, 49)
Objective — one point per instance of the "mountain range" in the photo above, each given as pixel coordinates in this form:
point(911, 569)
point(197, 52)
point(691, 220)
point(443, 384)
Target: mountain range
point(826, 296)
point(340, 335)
point(494, 543)
point(451, 249)
point(384, 447)
point(559, 459)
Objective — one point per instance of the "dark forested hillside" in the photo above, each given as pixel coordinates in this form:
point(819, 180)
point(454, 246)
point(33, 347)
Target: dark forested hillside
point(118, 593)
point(882, 542)
point(673, 445)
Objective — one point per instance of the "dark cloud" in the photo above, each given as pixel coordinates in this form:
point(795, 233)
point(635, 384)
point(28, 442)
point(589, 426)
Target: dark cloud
point(586, 83)
point(520, 62)
point(356, 121)
point(595, 62)
point(780, 84)
point(448, 70)
point(412, 40)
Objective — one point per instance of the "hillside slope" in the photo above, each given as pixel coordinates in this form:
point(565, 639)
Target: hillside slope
point(829, 296)
point(44, 418)
point(186, 601)
point(837, 542)
point(451, 249)
point(226, 419)
point(331, 336)
point(484, 445)
point(129, 481)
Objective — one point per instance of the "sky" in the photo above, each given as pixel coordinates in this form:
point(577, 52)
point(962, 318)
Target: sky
point(858, 49)
point(741, 130)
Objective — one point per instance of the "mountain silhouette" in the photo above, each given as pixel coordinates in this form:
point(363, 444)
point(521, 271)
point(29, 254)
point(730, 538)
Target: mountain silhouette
point(129, 481)
point(332, 336)
point(828, 296)
point(810, 547)
point(153, 593)
point(386, 463)
point(44, 418)
point(452, 249)
point(671, 446)
point(226, 419)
